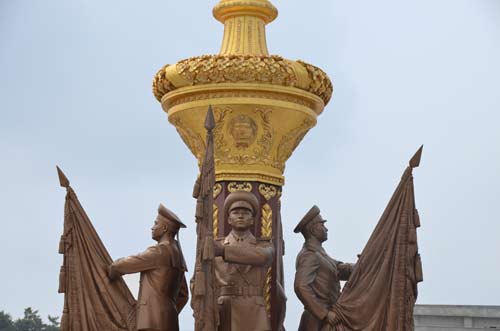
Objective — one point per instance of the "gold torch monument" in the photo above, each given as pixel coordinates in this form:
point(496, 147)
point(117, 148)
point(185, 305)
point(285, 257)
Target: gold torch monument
point(242, 113)
point(263, 106)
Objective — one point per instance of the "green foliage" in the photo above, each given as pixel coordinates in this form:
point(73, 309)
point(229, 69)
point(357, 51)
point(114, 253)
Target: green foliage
point(30, 322)
point(6, 323)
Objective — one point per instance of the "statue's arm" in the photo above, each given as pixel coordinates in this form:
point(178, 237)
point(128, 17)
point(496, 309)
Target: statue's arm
point(183, 296)
point(306, 269)
point(345, 270)
point(136, 263)
point(252, 255)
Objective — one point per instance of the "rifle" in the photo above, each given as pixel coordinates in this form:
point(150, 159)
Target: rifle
point(204, 300)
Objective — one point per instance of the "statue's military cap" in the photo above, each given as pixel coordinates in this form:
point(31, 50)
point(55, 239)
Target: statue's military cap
point(241, 200)
point(169, 216)
point(308, 217)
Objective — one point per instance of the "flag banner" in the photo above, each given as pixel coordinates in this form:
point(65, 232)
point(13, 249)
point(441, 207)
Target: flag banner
point(92, 302)
point(382, 290)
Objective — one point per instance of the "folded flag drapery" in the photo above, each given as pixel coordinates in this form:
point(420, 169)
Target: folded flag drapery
point(382, 290)
point(91, 301)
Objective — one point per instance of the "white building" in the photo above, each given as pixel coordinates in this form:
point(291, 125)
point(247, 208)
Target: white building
point(456, 318)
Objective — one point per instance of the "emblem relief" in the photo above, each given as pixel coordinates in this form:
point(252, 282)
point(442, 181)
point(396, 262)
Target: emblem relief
point(245, 138)
point(243, 130)
point(249, 147)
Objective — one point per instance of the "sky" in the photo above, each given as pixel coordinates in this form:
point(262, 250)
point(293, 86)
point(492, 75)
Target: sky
point(75, 90)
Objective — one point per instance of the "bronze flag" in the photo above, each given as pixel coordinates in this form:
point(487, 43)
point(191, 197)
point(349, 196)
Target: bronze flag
point(381, 292)
point(203, 299)
point(91, 301)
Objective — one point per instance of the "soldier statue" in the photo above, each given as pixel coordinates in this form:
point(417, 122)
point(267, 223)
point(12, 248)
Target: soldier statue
point(317, 276)
point(163, 289)
point(241, 265)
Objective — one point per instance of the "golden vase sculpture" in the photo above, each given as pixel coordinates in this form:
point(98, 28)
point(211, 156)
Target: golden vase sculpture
point(263, 104)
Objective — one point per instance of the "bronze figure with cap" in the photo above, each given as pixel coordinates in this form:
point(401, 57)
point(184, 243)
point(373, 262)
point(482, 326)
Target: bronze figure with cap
point(317, 276)
point(241, 265)
point(163, 289)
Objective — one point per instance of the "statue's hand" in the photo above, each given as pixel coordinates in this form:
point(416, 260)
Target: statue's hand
point(331, 318)
point(218, 248)
point(112, 273)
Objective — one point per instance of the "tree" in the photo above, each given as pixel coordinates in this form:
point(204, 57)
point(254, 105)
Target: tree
point(30, 322)
point(6, 323)
point(54, 324)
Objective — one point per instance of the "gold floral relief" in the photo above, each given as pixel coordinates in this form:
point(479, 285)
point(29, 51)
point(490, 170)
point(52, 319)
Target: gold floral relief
point(273, 70)
point(217, 190)
point(239, 187)
point(266, 219)
point(267, 191)
point(193, 140)
point(291, 140)
point(267, 290)
point(215, 220)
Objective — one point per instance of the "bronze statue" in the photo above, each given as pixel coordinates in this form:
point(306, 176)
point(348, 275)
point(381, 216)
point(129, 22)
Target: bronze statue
point(317, 276)
point(382, 289)
point(240, 267)
point(163, 289)
point(231, 273)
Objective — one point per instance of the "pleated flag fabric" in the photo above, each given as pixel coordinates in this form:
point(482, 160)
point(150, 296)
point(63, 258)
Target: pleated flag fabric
point(91, 301)
point(381, 292)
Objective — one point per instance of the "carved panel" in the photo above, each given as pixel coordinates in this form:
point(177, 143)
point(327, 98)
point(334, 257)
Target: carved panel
point(291, 140)
point(217, 190)
point(237, 187)
point(274, 70)
point(267, 191)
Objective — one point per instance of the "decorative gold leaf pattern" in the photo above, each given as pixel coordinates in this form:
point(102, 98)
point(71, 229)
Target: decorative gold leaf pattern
point(216, 220)
point(273, 69)
point(267, 291)
point(267, 191)
point(217, 190)
point(238, 187)
point(266, 221)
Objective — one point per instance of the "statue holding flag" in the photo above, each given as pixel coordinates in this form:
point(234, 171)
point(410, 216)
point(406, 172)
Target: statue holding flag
point(317, 278)
point(97, 298)
point(229, 279)
point(163, 290)
point(382, 287)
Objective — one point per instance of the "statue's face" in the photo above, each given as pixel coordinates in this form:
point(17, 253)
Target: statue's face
point(320, 231)
point(158, 229)
point(240, 219)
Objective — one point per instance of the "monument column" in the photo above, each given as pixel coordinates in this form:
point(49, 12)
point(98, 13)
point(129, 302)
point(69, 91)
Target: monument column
point(263, 106)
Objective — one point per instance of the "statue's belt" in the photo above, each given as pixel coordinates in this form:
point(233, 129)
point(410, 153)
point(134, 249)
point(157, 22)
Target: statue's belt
point(240, 291)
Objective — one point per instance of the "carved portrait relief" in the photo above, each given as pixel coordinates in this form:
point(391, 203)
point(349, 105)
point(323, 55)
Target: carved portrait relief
point(243, 130)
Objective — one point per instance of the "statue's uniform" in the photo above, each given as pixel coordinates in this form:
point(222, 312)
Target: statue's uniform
point(163, 289)
point(241, 277)
point(317, 284)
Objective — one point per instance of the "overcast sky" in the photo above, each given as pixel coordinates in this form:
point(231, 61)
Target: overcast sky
point(75, 90)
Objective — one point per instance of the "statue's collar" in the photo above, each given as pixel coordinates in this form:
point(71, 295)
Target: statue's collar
point(248, 237)
point(314, 246)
